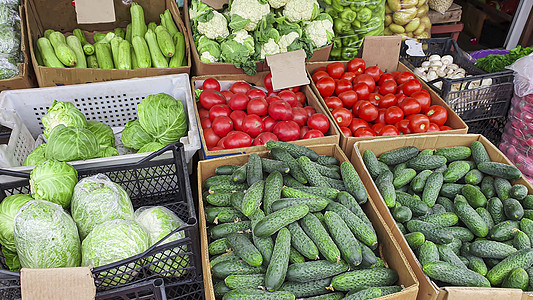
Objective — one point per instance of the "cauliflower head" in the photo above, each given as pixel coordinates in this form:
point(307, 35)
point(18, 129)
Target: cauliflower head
point(286, 40)
point(212, 24)
point(277, 3)
point(196, 8)
point(301, 10)
point(320, 31)
point(242, 37)
point(209, 50)
point(250, 10)
point(207, 58)
point(269, 48)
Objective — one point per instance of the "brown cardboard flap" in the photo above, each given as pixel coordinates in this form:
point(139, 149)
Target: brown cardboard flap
point(382, 51)
point(216, 4)
point(95, 11)
point(288, 69)
point(465, 293)
point(57, 284)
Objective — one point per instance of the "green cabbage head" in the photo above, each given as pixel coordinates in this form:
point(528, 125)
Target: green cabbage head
point(37, 156)
point(9, 207)
point(54, 181)
point(158, 222)
point(71, 143)
point(134, 136)
point(46, 236)
point(106, 151)
point(103, 133)
point(151, 147)
point(96, 200)
point(62, 113)
point(163, 117)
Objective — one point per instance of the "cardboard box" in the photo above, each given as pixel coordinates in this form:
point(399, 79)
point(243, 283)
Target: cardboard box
point(61, 16)
point(26, 78)
point(428, 289)
point(201, 68)
point(390, 251)
point(331, 137)
point(454, 121)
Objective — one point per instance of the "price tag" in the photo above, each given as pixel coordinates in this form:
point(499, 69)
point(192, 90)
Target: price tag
point(414, 48)
point(288, 69)
point(95, 11)
point(57, 284)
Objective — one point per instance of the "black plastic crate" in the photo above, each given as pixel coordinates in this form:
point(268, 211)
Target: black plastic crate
point(193, 290)
point(492, 129)
point(149, 290)
point(470, 104)
point(154, 180)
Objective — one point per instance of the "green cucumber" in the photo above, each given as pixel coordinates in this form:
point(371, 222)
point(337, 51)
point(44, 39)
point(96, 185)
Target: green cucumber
point(226, 169)
point(360, 229)
point(487, 187)
point(220, 214)
point(418, 183)
point(513, 209)
point(314, 204)
point(349, 201)
point(528, 202)
point(386, 188)
point(235, 267)
point(473, 177)
point(503, 188)
point(438, 209)
point(504, 231)
point(327, 160)
point(446, 219)
point(265, 245)
point(219, 199)
point(294, 167)
point(318, 234)
point(295, 256)
point(295, 150)
point(428, 252)
point(431, 232)
point(479, 153)
point(290, 181)
point(242, 245)
point(236, 200)
point(228, 187)
point(254, 169)
point(237, 282)
point(347, 243)
point(454, 275)
point(368, 293)
point(369, 257)
point(399, 156)
point(415, 239)
point(385, 290)
point(526, 225)
point(521, 241)
point(353, 183)
point(403, 177)
point(446, 254)
point(252, 198)
point(277, 268)
point(519, 259)
point(257, 294)
point(432, 188)
point(495, 208)
point(499, 169)
point(427, 162)
point(471, 219)
point(289, 192)
point(270, 165)
point(398, 168)
point(401, 214)
point(454, 153)
point(417, 207)
point(273, 186)
point(456, 170)
point(518, 191)
point(485, 215)
point(491, 249)
point(222, 230)
point(328, 296)
point(372, 164)
point(219, 246)
point(474, 196)
point(239, 175)
point(279, 219)
point(446, 203)
point(217, 179)
point(518, 278)
point(307, 289)
point(328, 193)
point(365, 277)
point(449, 190)
point(326, 171)
point(229, 256)
point(220, 289)
point(315, 270)
point(336, 184)
point(311, 173)
point(301, 242)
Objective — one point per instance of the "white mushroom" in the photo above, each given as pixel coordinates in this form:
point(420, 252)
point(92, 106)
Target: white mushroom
point(473, 85)
point(449, 71)
point(426, 64)
point(420, 71)
point(458, 76)
point(423, 77)
point(438, 84)
point(486, 82)
point(436, 63)
point(432, 75)
point(434, 57)
point(453, 66)
point(460, 70)
point(446, 59)
point(440, 72)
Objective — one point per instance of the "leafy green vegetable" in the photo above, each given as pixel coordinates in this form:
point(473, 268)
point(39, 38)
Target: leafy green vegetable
point(9, 207)
point(12, 260)
point(151, 147)
point(497, 63)
point(71, 143)
point(134, 136)
point(54, 181)
point(106, 151)
point(103, 133)
point(62, 113)
point(37, 156)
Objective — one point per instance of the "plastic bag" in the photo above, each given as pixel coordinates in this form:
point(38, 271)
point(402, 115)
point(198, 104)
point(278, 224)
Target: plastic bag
point(523, 75)
point(13, 4)
point(8, 68)
point(352, 21)
point(440, 5)
point(407, 18)
point(9, 40)
point(8, 16)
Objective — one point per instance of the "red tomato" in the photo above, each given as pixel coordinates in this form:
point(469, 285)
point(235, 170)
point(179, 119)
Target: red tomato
point(313, 134)
point(269, 123)
point(272, 98)
point(404, 77)
point(333, 102)
point(381, 116)
point(326, 86)
point(423, 98)
point(348, 98)
point(419, 123)
point(301, 97)
point(410, 87)
point(400, 97)
point(257, 106)
point(348, 75)
point(319, 75)
point(319, 122)
point(445, 128)
point(206, 123)
point(209, 98)
point(393, 115)
point(362, 90)
point(377, 127)
point(357, 123)
point(323, 68)
point(433, 127)
point(238, 139)
point(295, 89)
point(388, 130)
point(222, 125)
point(342, 86)
point(256, 93)
point(385, 77)
point(403, 126)
point(374, 71)
point(364, 131)
point(219, 110)
point(211, 84)
point(287, 131)
point(335, 70)
point(267, 82)
point(216, 148)
point(210, 137)
point(346, 131)
point(221, 142)
point(280, 110)
point(395, 74)
point(263, 138)
point(374, 98)
point(387, 101)
point(388, 87)
point(271, 93)
point(252, 125)
point(227, 94)
point(240, 87)
point(342, 116)
point(356, 65)
point(368, 112)
point(238, 102)
point(303, 131)
point(289, 97)
point(410, 106)
point(299, 116)
point(310, 110)
point(356, 106)
point(203, 113)
point(437, 114)
point(237, 116)
point(366, 79)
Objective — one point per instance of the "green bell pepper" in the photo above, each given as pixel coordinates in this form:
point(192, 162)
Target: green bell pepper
point(356, 24)
point(337, 43)
point(364, 15)
point(336, 4)
point(335, 54)
point(332, 12)
point(341, 27)
point(348, 15)
point(327, 2)
point(350, 41)
point(348, 53)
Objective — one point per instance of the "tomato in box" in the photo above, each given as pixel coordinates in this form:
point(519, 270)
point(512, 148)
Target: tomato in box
point(255, 93)
point(418, 123)
point(342, 86)
point(319, 122)
point(269, 123)
point(349, 76)
point(206, 123)
point(348, 98)
point(237, 116)
point(289, 97)
point(211, 83)
point(319, 75)
point(211, 138)
point(357, 123)
point(385, 77)
point(258, 106)
point(393, 115)
point(387, 101)
point(362, 90)
point(238, 101)
point(388, 130)
point(374, 71)
point(287, 131)
point(335, 69)
point(313, 134)
point(388, 87)
point(364, 131)
point(368, 112)
point(356, 65)
point(299, 115)
point(222, 125)
point(342, 116)
point(346, 131)
point(333, 102)
point(240, 87)
point(437, 114)
point(381, 116)
point(263, 138)
point(210, 98)
point(366, 79)
point(280, 110)
point(219, 110)
point(326, 86)
point(301, 98)
point(237, 139)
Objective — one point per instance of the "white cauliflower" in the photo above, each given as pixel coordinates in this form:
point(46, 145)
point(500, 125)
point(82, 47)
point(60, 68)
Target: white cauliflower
point(286, 40)
point(250, 10)
point(277, 3)
point(207, 58)
point(301, 10)
point(320, 32)
point(270, 48)
point(216, 27)
point(242, 37)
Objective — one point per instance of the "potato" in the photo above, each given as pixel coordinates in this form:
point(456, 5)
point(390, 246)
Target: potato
point(394, 5)
point(387, 31)
point(396, 28)
point(409, 3)
point(421, 2)
point(420, 29)
point(413, 25)
point(388, 20)
point(387, 9)
point(422, 11)
point(404, 16)
point(423, 35)
point(410, 34)
point(426, 21)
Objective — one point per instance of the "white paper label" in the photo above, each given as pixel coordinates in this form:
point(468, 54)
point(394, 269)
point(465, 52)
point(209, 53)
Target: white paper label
point(414, 48)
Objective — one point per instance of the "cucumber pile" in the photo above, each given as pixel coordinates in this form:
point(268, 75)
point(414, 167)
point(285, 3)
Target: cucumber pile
point(291, 226)
point(460, 213)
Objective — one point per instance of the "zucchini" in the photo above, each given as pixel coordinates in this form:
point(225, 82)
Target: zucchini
point(142, 52)
point(104, 55)
point(158, 59)
point(164, 41)
point(47, 53)
point(63, 52)
point(74, 43)
point(169, 22)
point(138, 25)
point(124, 55)
point(178, 59)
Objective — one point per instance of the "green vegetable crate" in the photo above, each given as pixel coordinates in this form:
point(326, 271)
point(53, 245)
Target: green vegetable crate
point(435, 243)
point(388, 247)
point(43, 15)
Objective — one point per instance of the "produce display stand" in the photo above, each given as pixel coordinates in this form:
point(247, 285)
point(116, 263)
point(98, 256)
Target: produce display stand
point(113, 103)
point(346, 143)
point(150, 181)
point(390, 250)
point(44, 14)
point(428, 288)
point(330, 137)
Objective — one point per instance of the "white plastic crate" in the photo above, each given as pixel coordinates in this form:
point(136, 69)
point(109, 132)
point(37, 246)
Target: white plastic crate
point(112, 102)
